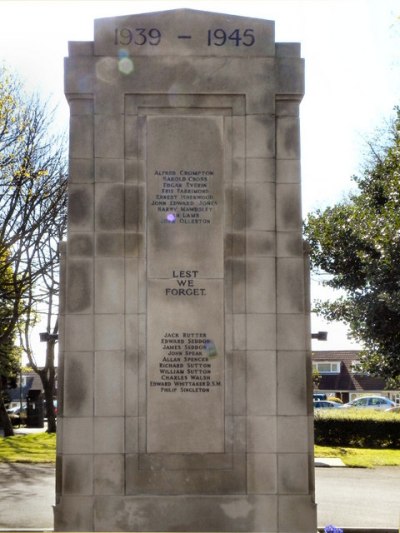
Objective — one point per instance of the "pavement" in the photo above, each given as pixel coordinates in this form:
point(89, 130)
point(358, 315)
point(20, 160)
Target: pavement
point(27, 494)
point(24, 430)
point(329, 462)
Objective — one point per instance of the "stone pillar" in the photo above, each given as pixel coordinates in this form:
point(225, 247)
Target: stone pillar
point(186, 340)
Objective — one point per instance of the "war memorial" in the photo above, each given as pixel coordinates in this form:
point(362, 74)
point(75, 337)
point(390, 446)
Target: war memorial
point(185, 342)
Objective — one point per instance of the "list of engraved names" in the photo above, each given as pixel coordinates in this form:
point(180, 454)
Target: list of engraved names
point(184, 196)
point(186, 363)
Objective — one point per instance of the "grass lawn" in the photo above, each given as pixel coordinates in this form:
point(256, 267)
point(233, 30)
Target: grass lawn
point(361, 457)
point(41, 448)
point(35, 448)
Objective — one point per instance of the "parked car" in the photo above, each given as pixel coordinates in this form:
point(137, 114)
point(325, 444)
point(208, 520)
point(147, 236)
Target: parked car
point(15, 403)
point(54, 405)
point(326, 404)
point(318, 396)
point(371, 402)
point(17, 415)
point(394, 409)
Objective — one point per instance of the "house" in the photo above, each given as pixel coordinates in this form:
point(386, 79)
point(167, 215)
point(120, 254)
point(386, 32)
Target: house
point(26, 382)
point(340, 376)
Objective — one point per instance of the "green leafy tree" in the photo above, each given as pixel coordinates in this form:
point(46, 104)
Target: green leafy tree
point(356, 243)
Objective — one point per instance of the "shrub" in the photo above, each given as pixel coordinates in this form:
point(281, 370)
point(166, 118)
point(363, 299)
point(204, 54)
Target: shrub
point(334, 399)
point(358, 428)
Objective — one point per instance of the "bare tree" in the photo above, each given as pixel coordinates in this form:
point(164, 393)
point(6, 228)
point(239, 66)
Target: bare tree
point(43, 302)
point(32, 200)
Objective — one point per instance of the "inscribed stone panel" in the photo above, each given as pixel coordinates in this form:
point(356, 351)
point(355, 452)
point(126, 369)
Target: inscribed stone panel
point(185, 361)
point(185, 297)
point(185, 195)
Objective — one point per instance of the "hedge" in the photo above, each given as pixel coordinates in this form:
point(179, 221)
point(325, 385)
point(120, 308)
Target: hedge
point(357, 428)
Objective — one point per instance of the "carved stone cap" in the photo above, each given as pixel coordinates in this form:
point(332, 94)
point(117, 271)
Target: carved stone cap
point(185, 32)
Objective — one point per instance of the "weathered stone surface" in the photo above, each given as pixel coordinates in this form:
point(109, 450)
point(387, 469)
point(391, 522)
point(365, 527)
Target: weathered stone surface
point(260, 202)
point(260, 136)
point(184, 330)
point(174, 27)
point(81, 170)
point(109, 170)
point(288, 138)
point(108, 332)
point(109, 474)
point(77, 437)
point(262, 434)
point(261, 383)
point(288, 207)
point(260, 170)
point(81, 136)
point(109, 394)
point(220, 513)
point(261, 285)
point(292, 434)
point(261, 331)
point(81, 245)
point(80, 208)
point(109, 285)
point(78, 383)
point(291, 383)
point(79, 333)
point(109, 434)
point(290, 285)
point(77, 475)
point(74, 512)
point(109, 207)
point(291, 468)
point(297, 514)
point(79, 293)
point(261, 473)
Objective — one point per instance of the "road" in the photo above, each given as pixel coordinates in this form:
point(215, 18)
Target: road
point(346, 497)
point(358, 497)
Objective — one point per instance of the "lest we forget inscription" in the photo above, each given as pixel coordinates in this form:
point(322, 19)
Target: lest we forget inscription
point(185, 398)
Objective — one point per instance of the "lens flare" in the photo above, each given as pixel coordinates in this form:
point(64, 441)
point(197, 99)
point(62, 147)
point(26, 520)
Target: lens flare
point(106, 68)
point(125, 65)
point(171, 217)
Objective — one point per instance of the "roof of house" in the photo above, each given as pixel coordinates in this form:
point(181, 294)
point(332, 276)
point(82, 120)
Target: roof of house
point(36, 383)
point(346, 379)
point(33, 382)
point(335, 355)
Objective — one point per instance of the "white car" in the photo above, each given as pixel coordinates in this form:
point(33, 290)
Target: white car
point(325, 404)
point(16, 415)
point(372, 402)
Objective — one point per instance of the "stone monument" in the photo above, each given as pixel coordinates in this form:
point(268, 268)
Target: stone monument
point(185, 343)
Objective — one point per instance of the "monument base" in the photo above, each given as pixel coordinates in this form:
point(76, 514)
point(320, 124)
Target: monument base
point(267, 513)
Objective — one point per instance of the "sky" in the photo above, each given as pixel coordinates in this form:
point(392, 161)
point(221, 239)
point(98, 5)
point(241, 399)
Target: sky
point(352, 56)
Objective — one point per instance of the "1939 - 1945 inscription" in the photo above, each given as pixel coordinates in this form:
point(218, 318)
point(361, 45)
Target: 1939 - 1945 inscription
point(213, 37)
